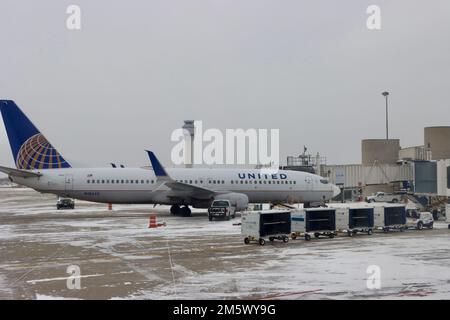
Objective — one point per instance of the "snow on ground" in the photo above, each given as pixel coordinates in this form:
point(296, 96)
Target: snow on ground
point(193, 258)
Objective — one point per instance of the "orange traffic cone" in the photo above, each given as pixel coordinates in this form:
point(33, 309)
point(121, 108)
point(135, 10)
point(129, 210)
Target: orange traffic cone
point(152, 221)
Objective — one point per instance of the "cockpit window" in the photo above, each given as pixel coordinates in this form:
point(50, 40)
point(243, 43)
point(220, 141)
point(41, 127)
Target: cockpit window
point(324, 181)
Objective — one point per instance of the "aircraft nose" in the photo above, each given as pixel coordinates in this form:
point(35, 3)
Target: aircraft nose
point(336, 191)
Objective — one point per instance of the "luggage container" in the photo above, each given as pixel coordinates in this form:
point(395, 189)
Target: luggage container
point(354, 220)
point(447, 214)
point(317, 221)
point(261, 225)
point(390, 217)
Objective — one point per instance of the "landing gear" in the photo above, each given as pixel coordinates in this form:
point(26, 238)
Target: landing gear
point(175, 209)
point(184, 211)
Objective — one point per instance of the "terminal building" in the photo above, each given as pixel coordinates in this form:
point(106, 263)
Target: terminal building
point(385, 166)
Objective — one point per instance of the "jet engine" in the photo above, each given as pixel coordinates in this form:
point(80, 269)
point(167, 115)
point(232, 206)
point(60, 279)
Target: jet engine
point(238, 200)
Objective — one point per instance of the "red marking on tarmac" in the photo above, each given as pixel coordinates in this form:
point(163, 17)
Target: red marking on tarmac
point(415, 293)
point(302, 293)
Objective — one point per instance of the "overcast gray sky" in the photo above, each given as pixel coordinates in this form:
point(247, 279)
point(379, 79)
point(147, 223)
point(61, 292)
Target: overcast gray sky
point(137, 69)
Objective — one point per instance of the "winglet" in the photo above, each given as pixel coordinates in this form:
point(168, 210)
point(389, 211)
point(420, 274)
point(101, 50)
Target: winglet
point(157, 167)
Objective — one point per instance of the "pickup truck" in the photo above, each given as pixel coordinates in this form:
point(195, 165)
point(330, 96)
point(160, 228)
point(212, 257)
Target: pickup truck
point(65, 203)
point(384, 197)
point(221, 209)
point(419, 220)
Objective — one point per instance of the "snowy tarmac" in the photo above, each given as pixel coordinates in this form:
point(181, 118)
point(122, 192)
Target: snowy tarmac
point(193, 258)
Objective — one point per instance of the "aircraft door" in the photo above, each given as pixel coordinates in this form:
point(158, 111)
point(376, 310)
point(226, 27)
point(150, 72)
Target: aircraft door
point(68, 182)
point(309, 183)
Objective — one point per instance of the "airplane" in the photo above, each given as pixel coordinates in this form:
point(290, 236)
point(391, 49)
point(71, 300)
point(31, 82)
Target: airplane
point(41, 167)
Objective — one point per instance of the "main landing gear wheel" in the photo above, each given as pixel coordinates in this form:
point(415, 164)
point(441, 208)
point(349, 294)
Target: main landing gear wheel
point(246, 240)
point(175, 209)
point(262, 242)
point(369, 232)
point(307, 237)
point(186, 211)
point(285, 239)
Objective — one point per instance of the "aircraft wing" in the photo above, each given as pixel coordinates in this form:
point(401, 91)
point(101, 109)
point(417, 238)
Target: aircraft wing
point(161, 175)
point(19, 172)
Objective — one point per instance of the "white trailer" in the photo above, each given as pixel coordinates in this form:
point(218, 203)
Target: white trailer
point(388, 217)
point(355, 219)
point(447, 214)
point(261, 225)
point(317, 221)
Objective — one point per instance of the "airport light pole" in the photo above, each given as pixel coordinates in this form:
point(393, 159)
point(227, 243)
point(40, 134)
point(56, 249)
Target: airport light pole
point(386, 94)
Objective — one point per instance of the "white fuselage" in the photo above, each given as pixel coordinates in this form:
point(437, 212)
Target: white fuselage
point(140, 185)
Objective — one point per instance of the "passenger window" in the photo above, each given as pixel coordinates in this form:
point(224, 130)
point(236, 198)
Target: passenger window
point(112, 181)
point(242, 182)
point(137, 181)
point(190, 181)
point(121, 181)
point(142, 181)
point(107, 181)
point(103, 181)
point(89, 181)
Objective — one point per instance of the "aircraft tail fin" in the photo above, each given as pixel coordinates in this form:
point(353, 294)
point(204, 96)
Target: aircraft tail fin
point(159, 170)
point(30, 149)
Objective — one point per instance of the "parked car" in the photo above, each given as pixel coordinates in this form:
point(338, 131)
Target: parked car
point(384, 197)
point(419, 220)
point(65, 203)
point(221, 209)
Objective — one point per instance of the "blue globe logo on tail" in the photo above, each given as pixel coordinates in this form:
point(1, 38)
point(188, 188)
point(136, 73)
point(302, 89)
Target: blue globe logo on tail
point(30, 149)
point(37, 153)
